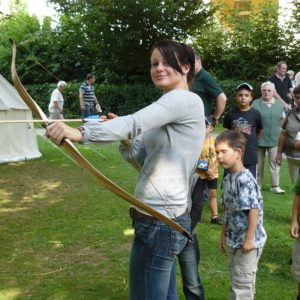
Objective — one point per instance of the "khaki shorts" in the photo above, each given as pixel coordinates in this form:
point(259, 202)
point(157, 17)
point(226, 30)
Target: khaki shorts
point(296, 261)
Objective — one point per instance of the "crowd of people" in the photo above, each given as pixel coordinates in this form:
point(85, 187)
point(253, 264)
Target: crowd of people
point(177, 159)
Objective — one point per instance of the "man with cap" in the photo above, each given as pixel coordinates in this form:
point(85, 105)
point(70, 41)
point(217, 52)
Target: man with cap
point(246, 120)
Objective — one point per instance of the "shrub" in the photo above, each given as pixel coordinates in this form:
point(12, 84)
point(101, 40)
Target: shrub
point(120, 99)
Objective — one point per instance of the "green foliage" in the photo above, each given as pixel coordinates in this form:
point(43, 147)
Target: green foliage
point(113, 39)
point(247, 47)
point(118, 35)
point(122, 99)
point(20, 27)
point(119, 99)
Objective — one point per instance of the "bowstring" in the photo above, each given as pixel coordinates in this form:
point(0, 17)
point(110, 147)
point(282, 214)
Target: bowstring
point(153, 185)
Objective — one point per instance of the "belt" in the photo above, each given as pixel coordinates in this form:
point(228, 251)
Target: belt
point(135, 214)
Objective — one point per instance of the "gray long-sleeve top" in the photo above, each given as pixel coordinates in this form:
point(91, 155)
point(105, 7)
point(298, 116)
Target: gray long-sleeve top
point(167, 139)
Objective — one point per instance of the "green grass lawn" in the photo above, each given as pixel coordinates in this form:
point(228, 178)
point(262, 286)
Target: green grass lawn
point(63, 236)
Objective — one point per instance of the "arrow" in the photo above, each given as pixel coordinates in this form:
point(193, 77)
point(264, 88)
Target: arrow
point(42, 121)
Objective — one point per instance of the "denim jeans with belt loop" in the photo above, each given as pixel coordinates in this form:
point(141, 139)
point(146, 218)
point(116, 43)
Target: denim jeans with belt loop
point(153, 253)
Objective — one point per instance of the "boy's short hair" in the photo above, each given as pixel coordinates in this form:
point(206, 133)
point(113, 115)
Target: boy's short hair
point(244, 86)
point(235, 140)
point(296, 90)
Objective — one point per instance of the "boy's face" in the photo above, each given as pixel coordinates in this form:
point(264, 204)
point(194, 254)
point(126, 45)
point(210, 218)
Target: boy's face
point(243, 98)
point(228, 157)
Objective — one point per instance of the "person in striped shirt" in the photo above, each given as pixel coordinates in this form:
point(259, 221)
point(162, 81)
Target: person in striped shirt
point(88, 100)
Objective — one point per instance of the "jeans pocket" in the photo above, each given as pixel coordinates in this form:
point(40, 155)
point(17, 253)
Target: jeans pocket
point(178, 241)
point(143, 230)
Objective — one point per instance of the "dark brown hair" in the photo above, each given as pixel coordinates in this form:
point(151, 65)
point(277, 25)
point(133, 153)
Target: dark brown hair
point(296, 90)
point(177, 54)
point(90, 76)
point(235, 140)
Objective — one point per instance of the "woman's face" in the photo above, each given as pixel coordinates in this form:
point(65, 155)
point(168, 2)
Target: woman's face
point(164, 76)
point(267, 93)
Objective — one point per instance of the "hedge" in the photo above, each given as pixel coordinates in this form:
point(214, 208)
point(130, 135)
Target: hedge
point(121, 99)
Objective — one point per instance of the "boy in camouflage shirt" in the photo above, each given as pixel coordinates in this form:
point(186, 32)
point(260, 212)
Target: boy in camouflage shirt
point(242, 229)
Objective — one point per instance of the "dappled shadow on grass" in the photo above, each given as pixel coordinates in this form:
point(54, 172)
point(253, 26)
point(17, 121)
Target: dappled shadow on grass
point(61, 234)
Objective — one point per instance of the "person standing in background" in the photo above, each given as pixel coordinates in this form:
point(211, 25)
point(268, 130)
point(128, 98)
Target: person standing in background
point(56, 104)
point(207, 169)
point(205, 86)
point(283, 84)
point(87, 97)
point(290, 127)
point(272, 112)
point(246, 120)
point(291, 75)
point(297, 79)
point(294, 233)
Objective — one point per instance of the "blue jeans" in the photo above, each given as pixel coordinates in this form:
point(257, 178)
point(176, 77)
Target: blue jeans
point(189, 260)
point(172, 292)
point(153, 253)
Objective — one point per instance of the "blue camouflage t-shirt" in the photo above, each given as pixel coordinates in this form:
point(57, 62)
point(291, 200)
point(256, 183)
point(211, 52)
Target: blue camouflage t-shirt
point(240, 193)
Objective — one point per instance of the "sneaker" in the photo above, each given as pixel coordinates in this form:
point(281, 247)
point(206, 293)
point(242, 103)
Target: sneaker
point(277, 190)
point(216, 221)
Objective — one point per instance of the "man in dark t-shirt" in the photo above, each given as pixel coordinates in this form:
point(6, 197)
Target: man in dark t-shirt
point(283, 84)
point(205, 86)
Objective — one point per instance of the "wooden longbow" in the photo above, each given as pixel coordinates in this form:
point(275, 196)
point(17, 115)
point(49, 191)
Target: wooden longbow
point(83, 162)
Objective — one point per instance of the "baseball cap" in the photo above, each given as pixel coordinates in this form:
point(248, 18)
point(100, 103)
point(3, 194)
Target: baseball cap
point(244, 85)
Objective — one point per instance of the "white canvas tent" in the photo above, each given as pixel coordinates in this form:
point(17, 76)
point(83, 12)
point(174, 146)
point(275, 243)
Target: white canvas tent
point(17, 141)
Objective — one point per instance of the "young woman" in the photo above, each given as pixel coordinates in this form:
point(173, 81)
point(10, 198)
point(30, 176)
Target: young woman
point(163, 141)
